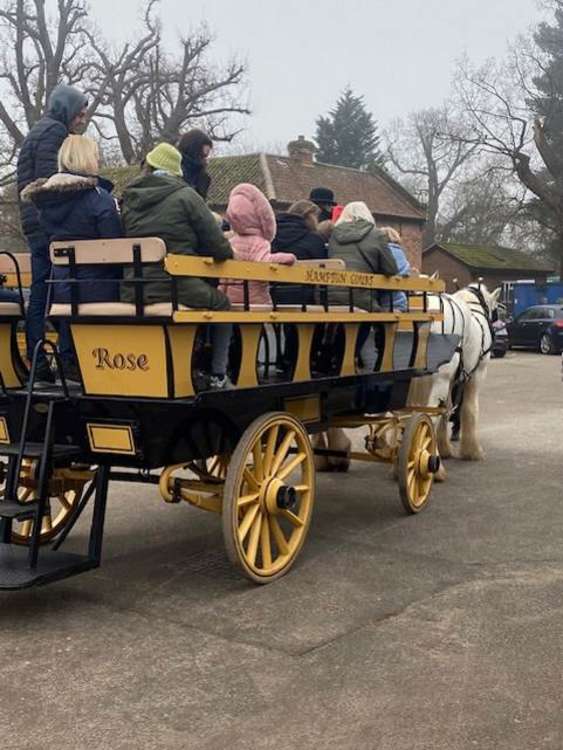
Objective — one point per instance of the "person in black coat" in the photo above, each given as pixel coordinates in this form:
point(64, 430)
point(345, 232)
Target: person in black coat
point(297, 234)
point(66, 113)
point(76, 204)
point(324, 199)
point(195, 147)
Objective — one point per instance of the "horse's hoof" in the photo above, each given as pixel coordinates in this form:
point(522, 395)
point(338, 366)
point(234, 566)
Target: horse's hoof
point(322, 465)
point(472, 455)
point(441, 474)
point(445, 451)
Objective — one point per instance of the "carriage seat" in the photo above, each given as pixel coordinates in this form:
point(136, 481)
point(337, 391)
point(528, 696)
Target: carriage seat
point(116, 252)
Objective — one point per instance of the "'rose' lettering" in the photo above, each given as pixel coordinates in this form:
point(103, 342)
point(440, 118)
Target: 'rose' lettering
point(118, 361)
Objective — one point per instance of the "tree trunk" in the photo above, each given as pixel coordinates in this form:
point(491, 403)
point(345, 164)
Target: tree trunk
point(429, 233)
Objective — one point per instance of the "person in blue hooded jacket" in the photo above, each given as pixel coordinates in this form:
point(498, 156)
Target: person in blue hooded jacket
point(76, 204)
point(66, 113)
point(397, 300)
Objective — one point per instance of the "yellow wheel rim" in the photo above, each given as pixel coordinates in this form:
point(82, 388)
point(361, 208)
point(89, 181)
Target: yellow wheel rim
point(269, 496)
point(418, 446)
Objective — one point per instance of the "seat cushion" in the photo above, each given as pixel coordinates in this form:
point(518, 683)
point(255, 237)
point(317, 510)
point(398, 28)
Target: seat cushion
point(123, 309)
point(10, 309)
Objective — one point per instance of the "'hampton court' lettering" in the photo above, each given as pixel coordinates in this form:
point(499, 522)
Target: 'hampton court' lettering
point(341, 278)
point(105, 359)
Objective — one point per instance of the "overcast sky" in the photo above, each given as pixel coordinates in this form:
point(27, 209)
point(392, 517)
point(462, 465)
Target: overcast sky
point(399, 53)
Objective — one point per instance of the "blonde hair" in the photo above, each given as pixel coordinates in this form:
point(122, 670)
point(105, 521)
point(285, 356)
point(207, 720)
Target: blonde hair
point(304, 208)
point(354, 212)
point(392, 234)
point(79, 154)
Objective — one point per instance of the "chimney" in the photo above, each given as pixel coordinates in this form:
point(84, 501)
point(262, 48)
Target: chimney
point(302, 151)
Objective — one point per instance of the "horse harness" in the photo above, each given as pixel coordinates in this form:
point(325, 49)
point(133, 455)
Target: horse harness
point(479, 310)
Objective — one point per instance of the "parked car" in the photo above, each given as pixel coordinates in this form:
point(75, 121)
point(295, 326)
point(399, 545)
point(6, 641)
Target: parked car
point(538, 327)
point(500, 341)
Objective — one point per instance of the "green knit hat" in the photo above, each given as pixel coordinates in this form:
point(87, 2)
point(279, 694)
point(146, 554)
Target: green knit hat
point(165, 157)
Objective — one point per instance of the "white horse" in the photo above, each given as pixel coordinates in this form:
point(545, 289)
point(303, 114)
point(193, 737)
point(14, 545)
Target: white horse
point(468, 314)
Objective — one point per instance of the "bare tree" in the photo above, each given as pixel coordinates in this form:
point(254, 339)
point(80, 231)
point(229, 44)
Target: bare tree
point(423, 150)
point(37, 54)
point(484, 208)
point(153, 96)
point(498, 97)
point(138, 93)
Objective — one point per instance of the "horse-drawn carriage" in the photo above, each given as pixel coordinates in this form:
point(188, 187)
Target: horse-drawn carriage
point(143, 414)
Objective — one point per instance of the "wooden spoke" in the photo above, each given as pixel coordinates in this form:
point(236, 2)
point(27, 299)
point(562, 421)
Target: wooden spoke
point(251, 479)
point(248, 499)
point(292, 518)
point(64, 501)
point(252, 550)
point(26, 527)
point(282, 452)
point(270, 448)
point(279, 536)
point(265, 543)
point(247, 522)
point(47, 523)
point(291, 466)
point(258, 461)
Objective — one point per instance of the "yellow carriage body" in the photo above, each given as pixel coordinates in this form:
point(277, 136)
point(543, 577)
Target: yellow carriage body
point(140, 405)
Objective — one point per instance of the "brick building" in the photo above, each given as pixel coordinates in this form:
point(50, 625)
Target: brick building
point(286, 179)
point(467, 263)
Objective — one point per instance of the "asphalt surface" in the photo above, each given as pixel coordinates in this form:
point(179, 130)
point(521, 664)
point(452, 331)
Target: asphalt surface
point(442, 631)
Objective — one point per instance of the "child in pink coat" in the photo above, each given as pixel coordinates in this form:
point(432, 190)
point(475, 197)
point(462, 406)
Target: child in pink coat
point(253, 222)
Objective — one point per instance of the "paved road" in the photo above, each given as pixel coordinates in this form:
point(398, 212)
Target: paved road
point(437, 632)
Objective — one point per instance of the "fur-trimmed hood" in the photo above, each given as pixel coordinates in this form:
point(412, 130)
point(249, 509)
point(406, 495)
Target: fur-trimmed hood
point(62, 182)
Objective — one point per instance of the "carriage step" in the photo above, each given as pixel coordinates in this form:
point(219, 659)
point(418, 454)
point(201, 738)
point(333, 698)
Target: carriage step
point(17, 511)
point(35, 450)
point(15, 572)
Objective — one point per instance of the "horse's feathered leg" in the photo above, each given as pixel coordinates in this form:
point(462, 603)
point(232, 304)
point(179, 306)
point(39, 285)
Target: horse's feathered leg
point(470, 448)
point(321, 462)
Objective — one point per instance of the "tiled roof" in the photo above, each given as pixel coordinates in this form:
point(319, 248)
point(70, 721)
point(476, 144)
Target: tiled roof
point(286, 180)
point(293, 180)
point(228, 171)
point(496, 257)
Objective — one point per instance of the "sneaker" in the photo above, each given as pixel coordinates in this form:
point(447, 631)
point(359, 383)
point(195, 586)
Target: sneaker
point(44, 376)
point(220, 383)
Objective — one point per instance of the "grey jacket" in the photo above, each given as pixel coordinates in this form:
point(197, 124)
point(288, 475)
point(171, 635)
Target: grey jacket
point(363, 248)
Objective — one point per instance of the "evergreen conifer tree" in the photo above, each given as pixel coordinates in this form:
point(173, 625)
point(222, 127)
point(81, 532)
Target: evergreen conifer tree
point(547, 101)
point(348, 136)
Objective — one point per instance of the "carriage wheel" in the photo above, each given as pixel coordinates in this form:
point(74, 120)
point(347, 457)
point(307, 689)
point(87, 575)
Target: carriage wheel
point(418, 462)
point(268, 497)
point(64, 496)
